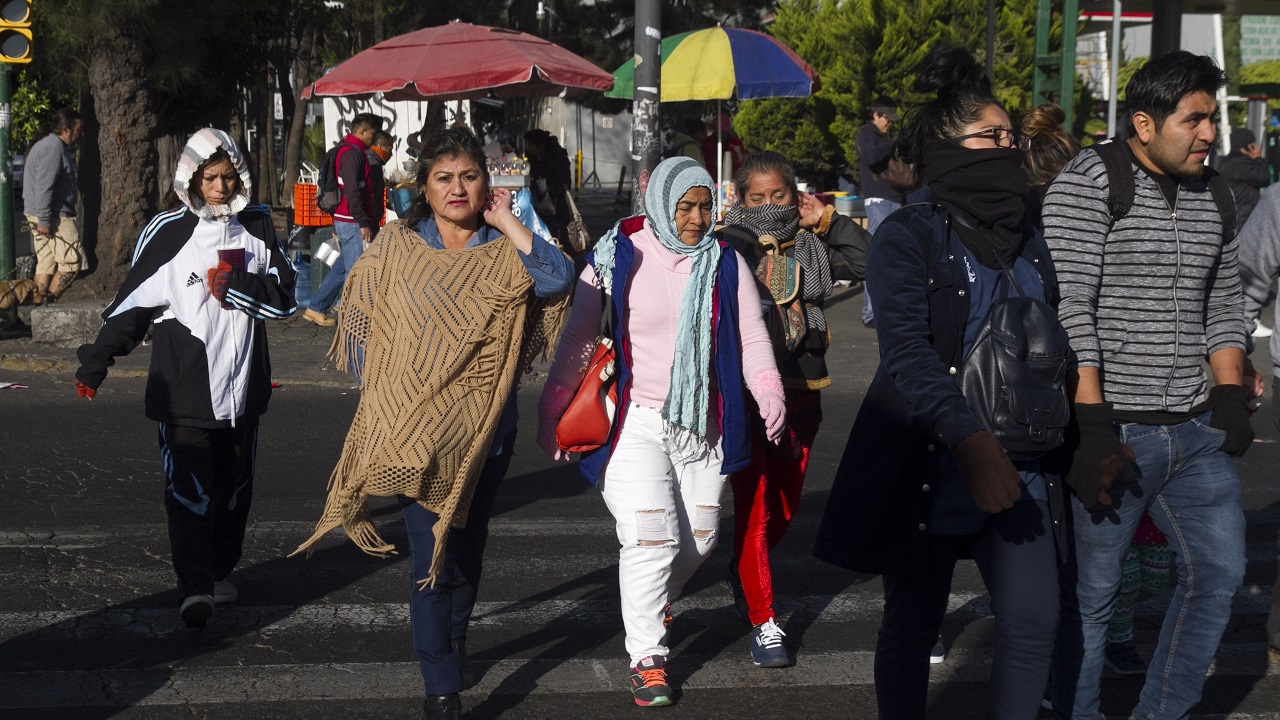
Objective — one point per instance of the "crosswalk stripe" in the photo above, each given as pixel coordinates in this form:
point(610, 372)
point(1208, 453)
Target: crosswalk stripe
point(711, 607)
point(539, 676)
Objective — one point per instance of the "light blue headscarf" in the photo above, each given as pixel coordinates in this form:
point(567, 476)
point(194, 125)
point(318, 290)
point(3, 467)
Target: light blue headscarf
point(688, 397)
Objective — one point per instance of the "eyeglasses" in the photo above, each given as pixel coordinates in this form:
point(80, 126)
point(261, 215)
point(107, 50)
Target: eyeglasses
point(1000, 137)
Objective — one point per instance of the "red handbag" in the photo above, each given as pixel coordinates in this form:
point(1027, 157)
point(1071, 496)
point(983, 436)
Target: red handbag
point(588, 420)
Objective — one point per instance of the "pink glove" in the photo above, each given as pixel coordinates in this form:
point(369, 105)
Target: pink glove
point(766, 387)
point(773, 408)
point(551, 406)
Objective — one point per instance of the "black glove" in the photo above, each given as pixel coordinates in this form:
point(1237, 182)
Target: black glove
point(1230, 414)
point(1097, 455)
point(990, 476)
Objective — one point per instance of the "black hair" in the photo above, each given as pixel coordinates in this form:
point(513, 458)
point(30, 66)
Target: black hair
point(1157, 87)
point(63, 118)
point(762, 163)
point(383, 137)
point(366, 120)
point(693, 126)
point(443, 144)
point(880, 101)
point(960, 92)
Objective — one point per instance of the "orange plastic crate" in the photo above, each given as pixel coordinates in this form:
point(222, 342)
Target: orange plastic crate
point(307, 214)
point(305, 210)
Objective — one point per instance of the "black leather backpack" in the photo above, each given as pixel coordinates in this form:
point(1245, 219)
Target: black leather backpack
point(1014, 373)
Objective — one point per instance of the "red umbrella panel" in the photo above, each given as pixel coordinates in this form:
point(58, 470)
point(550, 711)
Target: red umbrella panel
point(461, 61)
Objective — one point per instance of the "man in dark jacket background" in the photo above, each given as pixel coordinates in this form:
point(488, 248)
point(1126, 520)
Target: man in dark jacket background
point(1246, 171)
point(354, 219)
point(875, 148)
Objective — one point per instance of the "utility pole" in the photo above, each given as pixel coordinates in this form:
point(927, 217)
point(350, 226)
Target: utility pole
point(646, 134)
point(8, 251)
point(15, 49)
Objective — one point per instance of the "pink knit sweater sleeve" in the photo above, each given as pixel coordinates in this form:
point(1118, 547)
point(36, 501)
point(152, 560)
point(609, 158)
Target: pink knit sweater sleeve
point(758, 366)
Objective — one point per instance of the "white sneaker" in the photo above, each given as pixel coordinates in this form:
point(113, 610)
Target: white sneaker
point(939, 652)
point(196, 610)
point(1261, 331)
point(225, 592)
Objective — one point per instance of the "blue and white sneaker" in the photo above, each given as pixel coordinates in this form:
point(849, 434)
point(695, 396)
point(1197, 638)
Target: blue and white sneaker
point(766, 646)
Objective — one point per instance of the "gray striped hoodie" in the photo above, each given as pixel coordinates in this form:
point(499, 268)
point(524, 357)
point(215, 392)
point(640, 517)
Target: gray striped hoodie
point(1145, 300)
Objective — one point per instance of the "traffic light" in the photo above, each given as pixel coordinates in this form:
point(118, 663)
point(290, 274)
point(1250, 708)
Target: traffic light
point(15, 31)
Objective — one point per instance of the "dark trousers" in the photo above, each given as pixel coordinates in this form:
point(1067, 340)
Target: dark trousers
point(439, 615)
point(1016, 555)
point(208, 491)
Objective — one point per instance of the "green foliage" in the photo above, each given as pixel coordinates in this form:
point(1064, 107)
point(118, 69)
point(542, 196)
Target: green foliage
point(863, 49)
point(32, 106)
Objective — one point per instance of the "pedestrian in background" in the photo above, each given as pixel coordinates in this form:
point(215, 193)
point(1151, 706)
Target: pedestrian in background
point(1049, 148)
point(689, 141)
point(875, 150)
point(922, 483)
point(49, 187)
point(552, 175)
point(767, 493)
point(442, 315)
point(687, 322)
point(1259, 268)
point(353, 219)
point(734, 152)
point(205, 276)
point(1147, 297)
point(1246, 171)
point(379, 153)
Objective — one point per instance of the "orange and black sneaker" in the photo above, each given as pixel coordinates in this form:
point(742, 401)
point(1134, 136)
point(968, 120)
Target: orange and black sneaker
point(649, 686)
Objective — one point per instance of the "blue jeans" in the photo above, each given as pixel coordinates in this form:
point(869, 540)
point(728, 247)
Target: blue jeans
point(439, 615)
point(351, 246)
point(1016, 555)
point(1193, 494)
point(876, 213)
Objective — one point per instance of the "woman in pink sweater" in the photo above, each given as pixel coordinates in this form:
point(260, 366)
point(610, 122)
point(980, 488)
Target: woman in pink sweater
point(690, 333)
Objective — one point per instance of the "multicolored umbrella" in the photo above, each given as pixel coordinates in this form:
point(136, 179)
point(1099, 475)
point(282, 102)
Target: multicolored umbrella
point(721, 63)
point(461, 61)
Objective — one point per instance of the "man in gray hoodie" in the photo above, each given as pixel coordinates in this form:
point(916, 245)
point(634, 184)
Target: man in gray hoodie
point(49, 203)
point(1259, 266)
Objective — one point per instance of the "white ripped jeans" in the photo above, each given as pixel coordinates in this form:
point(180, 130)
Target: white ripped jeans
point(667, 514)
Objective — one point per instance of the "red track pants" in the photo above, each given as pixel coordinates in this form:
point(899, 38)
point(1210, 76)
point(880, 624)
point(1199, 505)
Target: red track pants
point(765, 497)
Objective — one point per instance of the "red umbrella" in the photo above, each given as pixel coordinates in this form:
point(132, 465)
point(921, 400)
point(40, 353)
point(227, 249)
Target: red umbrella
point(461, 61)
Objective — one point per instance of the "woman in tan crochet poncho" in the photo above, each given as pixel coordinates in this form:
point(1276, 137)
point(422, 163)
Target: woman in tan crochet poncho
point(440, 316)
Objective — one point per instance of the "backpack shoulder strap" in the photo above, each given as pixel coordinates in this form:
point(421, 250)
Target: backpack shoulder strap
point(1120, 189)
point(1225, 201)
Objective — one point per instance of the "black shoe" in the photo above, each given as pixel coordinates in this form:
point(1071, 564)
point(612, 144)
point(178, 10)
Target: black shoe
point(469, 678)
point(443, 707)
point(870, 324)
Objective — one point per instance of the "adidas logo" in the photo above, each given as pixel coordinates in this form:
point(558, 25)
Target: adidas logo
point(193, 280)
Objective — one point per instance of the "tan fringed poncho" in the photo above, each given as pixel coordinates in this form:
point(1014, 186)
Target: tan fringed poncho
point(446, 334)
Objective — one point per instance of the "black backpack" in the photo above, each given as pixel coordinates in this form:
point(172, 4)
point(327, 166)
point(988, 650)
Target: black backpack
point(1013, 375)
point(1120, 189)
point(329, 194)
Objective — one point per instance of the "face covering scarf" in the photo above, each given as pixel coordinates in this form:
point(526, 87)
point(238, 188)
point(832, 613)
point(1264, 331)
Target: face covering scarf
point(987, 187)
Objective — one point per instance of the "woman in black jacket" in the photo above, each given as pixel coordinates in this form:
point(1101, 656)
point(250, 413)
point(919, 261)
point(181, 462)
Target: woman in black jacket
point(922, 483)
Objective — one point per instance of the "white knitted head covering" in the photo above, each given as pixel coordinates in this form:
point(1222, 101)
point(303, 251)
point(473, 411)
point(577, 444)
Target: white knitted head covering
point(199, 149)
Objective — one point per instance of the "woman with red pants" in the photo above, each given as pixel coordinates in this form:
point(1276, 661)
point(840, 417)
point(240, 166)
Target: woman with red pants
point(766, 493)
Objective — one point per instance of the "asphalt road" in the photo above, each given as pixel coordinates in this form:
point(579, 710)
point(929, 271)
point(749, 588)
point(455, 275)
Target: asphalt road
point(89, 628)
